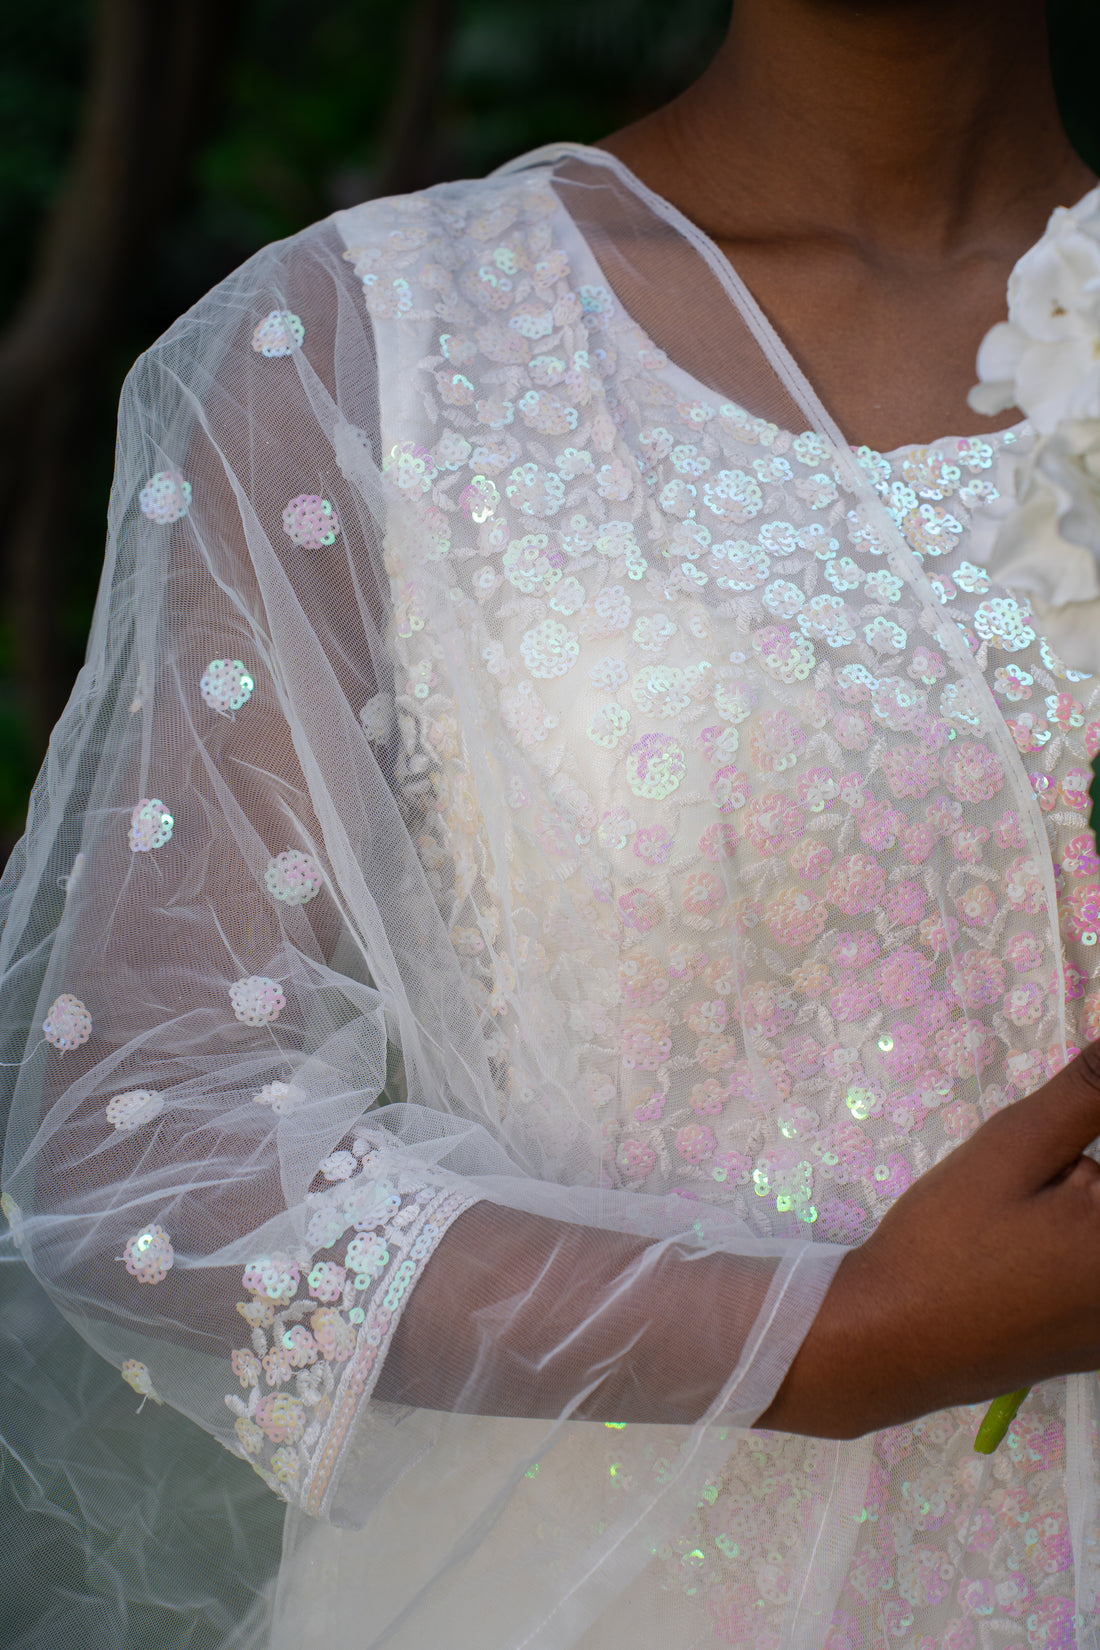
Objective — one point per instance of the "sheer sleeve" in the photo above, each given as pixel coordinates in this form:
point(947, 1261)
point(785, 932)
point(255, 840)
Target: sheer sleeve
point(257, 1152)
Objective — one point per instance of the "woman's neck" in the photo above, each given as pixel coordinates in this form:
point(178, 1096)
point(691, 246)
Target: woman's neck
point(873, 169)
point(898, 123)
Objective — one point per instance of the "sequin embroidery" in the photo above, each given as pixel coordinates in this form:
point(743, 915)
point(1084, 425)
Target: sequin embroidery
point(148, 1255)
point(68, 1023)
point(151, 826)
point(279, 333)
point(293, 878)
point(256, 1000)
point(226, 685)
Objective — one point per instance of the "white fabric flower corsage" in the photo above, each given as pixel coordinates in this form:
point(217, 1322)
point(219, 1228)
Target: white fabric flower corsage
point(1045, 359)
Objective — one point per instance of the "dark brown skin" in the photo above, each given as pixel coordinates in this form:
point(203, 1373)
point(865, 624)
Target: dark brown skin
point(983, 1277)
point(873, 171)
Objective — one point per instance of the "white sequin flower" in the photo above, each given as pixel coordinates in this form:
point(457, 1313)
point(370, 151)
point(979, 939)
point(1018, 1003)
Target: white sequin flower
point(149, 1256)
point(293, 877)
point(339, 1166)
point(368, 1257)
point(549, 650)
point(376, 718)
point(273, 1277)
point(326, 1280)
point(150, 825)
point(138, 1375)
point(279, 333)
point(311, 521)
point(257, 1000)
point(137, 1106)
point(226, 685)
point(283, 1098)
point(13, 1214)
point(68, 1023)
point(166, 497)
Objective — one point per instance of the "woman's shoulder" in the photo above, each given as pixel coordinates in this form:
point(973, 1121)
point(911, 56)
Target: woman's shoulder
point(499, 221)
point(482, 206)
point(472, 216)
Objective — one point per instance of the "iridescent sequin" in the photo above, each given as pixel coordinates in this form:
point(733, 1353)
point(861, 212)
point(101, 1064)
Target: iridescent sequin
point(68, 1023)
point(257, 1000)
point(148, 1255)
point(550, 649)
point(279, 333)
point(338, 1165)
point(311, 521)
point(226, 685)
point(293, 878)
point(13, 1214)
point(655, 766)
point(137, 1375)
point(283, 1098)
point(326, 1280)
point(151, 825)
point(367, 1257)
point(166, 497)
point(273, 1277)
point(128, 1111)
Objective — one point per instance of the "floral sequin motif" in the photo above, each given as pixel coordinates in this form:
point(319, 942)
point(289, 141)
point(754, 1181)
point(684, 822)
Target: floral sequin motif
point(13, 1214)
point(339, 1165)
point(311, 522)
point(128, 1111)
point(138, 1376)
point(151, 825)
point(256, 1000)
point(655, 766)
point(166, 497)
point(68, 1023)
point(283, 1098)
point(410, 468)
point(273, 1277)
point(367, 1258)
point(279, 333)
point(549, 649)
point(226, 685)
point(326, 1280)
point(293, 878)
point(148, 1255)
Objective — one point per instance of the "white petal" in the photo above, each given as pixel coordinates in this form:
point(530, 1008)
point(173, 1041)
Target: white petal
point(990, 399)
point(1047, 379)
point(999, 353)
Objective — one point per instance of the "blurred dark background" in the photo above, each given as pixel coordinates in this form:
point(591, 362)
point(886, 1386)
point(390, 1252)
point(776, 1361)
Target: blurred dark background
point(149, 146)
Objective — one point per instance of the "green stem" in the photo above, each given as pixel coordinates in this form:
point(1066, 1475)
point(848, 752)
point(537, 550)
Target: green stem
point(997, 1420)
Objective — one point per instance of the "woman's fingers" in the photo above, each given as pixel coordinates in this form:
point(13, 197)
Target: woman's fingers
point(983, 1277)
point(1043, 1135)
point(1083, 1174)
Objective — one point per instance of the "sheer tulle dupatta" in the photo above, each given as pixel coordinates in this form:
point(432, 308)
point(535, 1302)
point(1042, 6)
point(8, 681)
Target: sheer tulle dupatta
point(493, 733)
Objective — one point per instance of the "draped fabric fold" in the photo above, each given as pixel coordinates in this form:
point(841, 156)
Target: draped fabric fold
point(547, 844)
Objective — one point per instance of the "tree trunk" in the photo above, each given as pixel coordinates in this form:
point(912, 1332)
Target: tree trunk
point(405, 151)
point(154, 68)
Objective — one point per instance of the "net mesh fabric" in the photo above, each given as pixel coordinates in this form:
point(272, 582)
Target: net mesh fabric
point(516, 814)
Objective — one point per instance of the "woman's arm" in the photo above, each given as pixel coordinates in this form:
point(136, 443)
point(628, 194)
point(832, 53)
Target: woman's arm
point(982, 1278)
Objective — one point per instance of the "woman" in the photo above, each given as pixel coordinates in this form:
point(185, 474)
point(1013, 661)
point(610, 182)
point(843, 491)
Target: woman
point(548, 867)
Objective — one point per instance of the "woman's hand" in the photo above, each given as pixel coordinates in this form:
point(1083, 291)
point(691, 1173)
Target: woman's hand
point(983, 1277)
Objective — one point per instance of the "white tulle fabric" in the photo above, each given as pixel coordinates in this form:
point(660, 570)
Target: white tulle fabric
point(551, 848)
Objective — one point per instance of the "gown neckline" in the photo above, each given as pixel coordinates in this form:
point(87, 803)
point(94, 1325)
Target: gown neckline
point(766, 333)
